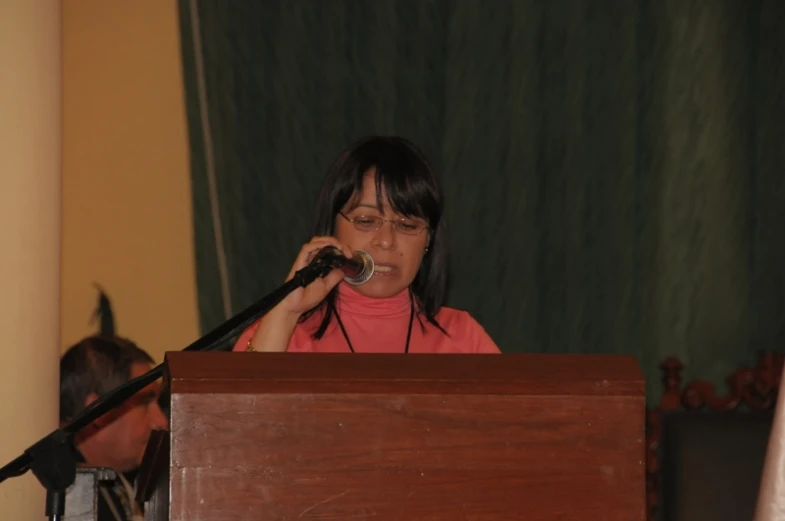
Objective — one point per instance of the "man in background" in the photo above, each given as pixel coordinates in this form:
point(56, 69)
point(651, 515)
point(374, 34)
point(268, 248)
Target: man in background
point(118, 439)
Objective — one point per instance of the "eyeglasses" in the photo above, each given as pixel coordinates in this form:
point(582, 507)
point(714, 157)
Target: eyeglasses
point(372, 223)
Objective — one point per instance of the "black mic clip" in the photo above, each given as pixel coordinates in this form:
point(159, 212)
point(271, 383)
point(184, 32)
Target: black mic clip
point(325, 261)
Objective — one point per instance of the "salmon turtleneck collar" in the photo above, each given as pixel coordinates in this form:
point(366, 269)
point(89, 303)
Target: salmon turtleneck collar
point(350, 302)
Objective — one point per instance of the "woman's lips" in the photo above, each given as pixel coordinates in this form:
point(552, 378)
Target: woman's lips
point(384, 269)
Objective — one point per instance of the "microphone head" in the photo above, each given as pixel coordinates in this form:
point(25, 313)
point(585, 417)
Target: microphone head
point(365, 274)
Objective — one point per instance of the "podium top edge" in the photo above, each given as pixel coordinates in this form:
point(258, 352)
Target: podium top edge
point(570, 373)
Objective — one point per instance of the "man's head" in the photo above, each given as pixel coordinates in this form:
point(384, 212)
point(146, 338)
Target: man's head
point(90, 369)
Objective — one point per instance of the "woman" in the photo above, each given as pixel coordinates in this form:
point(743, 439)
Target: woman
point(381, 196)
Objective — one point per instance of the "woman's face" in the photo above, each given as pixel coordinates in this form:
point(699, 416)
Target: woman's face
point(396, 254)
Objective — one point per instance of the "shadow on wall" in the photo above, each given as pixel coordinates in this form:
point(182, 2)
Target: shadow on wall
point(103, 313)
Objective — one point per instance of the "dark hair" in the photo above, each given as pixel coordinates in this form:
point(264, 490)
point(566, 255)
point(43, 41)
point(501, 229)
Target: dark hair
point(413, 190)
point(96, 364)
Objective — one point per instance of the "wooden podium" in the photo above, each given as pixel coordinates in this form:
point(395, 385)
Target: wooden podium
point(287, 436)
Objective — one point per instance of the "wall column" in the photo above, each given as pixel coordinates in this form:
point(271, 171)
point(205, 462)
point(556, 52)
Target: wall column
point(30, 121)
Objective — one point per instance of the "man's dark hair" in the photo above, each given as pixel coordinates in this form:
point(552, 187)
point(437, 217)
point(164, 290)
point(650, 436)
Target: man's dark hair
point(96, 364)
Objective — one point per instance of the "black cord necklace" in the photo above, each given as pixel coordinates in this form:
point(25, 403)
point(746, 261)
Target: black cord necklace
point(408, 334)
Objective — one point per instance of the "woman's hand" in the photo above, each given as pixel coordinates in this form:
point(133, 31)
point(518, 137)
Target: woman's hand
point(276, 328)
point(302, 299)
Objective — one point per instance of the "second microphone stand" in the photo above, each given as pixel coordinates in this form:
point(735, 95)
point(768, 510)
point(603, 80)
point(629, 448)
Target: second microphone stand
point(53, 459)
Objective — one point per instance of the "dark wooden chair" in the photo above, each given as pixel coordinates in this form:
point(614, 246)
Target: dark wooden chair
point(705, 452)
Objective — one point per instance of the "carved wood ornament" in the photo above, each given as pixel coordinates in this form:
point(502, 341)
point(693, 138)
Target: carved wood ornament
point(751, 389)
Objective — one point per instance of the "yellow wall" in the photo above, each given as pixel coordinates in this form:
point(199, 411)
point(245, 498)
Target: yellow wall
point(30, 138)
point(126, 187)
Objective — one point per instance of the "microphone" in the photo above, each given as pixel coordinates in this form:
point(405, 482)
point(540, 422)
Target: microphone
point(357, 270)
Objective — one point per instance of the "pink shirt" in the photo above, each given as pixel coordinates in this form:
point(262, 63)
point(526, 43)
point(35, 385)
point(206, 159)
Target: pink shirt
point(381, 326)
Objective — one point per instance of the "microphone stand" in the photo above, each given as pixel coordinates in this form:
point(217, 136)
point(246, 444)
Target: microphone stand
point(53, 459)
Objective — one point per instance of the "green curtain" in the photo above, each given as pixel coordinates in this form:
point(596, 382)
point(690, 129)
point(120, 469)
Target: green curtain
point(612, 168)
